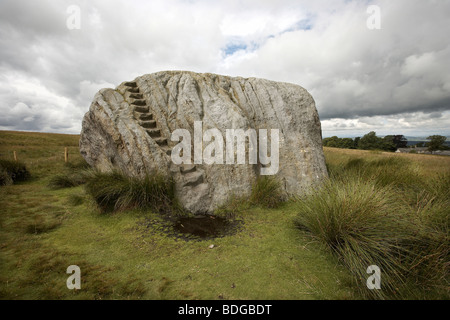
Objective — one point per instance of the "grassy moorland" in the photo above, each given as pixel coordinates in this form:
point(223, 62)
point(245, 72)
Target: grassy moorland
point(388, 210)
point(51, 221)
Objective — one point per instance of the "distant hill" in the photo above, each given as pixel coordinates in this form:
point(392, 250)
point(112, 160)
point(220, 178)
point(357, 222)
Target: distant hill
point(421, 139)
point(415, 140)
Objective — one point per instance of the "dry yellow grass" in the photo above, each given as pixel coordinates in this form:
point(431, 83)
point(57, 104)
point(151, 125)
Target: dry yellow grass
point(428, 164)
point(42, 153)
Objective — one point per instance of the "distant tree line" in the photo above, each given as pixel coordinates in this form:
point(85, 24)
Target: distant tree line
point(388, 143)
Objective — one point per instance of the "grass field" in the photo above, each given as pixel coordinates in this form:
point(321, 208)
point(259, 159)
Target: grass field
point(129, 254)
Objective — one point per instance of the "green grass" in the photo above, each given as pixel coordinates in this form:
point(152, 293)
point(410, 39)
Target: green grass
point(114, 191)
point(5, 177)
point(266, 193)
point(12, 171)
point(43, 230)
point(68, 180)
point(378, 210)
point(362, 225)
point(121, 255)
point(121, 258)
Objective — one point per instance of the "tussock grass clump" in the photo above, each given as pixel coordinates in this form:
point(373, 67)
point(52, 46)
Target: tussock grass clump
point(384, 212)
point(75, 175)
point(234, 205)
point(431, 210)
point(439, 186)
point(114, 191)
point(77, 165)
point(362, 224)
point(13, 171)
point(67, 181)
point(267, 192)
point(5, 178)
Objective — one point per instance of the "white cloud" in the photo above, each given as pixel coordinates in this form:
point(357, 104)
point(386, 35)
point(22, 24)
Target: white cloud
point(88, 90)
point(416, 66)
point(364, 78)
point(415, 124)
point(28, 105)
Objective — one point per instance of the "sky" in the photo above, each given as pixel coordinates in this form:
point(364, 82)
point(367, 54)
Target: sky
point(388, 73)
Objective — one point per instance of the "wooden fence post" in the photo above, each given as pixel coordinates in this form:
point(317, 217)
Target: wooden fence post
point(66, 155)
point(15, 156)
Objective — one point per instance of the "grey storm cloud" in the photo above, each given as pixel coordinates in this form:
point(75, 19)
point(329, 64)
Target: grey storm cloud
point(360, 78)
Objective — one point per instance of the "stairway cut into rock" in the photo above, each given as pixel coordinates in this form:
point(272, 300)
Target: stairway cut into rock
point(193, 177)
point(145, 116)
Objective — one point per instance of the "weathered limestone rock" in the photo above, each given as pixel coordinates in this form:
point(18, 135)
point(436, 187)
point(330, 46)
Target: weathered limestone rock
point(131, 127)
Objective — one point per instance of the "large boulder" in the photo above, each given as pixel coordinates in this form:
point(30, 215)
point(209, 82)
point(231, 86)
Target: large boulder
point(131, 128)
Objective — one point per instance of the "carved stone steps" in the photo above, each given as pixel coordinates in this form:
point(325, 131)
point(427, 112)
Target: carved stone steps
point(142, 109)
point(131, 84)
point(151, 124)
point(146, 117)
point(136, 96)
point(193, 178)
point(138, 102)
point(201, 188)
point(167, 150)
point(186, 168)
point(161, 141)
point(154, 133)
point(133, 90)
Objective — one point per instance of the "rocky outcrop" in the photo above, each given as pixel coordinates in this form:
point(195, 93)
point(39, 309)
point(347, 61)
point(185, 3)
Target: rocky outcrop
point(131, 128)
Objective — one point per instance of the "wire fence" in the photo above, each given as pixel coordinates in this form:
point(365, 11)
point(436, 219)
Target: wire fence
point(16, 156)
